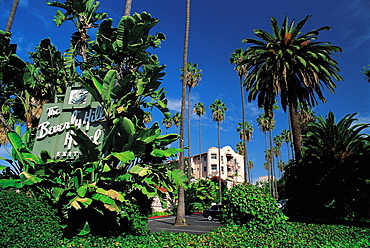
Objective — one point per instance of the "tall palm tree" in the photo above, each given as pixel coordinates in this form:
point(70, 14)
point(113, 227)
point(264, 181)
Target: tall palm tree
point(292, 64)
point(218, 109)
point(180, 213)
point(237, 58)
point(286, 136)
point(176, 120)
point(194, 75)
point(11, 16)
point(245, 130)
point(240, 147)
point(200, 110)
point(266, 124)
point(5, 125)
point(167, 123)
point(128, 7)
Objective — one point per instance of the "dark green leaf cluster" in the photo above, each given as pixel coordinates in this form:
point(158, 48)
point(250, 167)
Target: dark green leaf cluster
point(253, 207)
point(331, 178)
point(26, 221)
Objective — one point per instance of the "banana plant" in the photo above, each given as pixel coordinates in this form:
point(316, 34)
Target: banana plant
point(118, 178)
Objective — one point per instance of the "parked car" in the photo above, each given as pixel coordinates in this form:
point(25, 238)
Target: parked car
point(213, 212)
point(282, 203)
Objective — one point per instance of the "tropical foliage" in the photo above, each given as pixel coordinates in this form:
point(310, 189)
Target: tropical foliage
point(292, 65)
point(108, 190)
point(331, 178)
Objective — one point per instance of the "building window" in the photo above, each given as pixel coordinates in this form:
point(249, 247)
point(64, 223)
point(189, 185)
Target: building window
point(214, 167)
point(205, 158)
point(213, 156)
point(222, 159)
point(198, 158)
point(222, 168)
point(204, 168)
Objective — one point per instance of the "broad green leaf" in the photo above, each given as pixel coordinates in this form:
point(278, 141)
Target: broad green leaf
point(106, 168)
point(2, 167)
point(108, 84)
point(125, 156)
point(15, 140)
point(141, 171)
point(5, 183)
point(81, 191)
point(111, 193)
point(128, 126)
point(85, 230)
point(112, 207)
point(103, 198)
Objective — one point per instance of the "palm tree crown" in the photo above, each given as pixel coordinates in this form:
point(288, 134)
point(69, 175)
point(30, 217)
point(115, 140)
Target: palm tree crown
point(245, 130)
point(218, 110)
point(194, 75)
point(199, 109)
point(291, 64)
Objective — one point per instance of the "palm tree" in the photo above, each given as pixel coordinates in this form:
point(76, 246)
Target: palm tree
point(334, 159)
point(218, 109)
point(176, 120)
point(237, 58)
point(180, 213)
point(286, 136)
point(194, 75)
point(245, 130)
point(292, 64)
point(267, 124)
point(128, 7)
point(11, 16)
point(200, 110)
point(250, 167)
point(240, 147)
point(167, 123)
point(5, 125)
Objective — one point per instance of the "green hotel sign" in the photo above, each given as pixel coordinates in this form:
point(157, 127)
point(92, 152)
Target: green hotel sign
point(54, 130)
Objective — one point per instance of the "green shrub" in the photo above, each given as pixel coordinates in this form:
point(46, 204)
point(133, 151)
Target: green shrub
point(251, 206)
point(27, 222)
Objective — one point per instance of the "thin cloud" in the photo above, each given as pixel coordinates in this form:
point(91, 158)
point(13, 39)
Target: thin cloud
point(174, 104)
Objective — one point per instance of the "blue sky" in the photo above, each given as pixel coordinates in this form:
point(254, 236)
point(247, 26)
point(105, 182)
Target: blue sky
point(217, 27)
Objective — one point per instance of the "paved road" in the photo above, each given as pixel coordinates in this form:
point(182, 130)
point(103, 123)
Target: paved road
point(197, 224)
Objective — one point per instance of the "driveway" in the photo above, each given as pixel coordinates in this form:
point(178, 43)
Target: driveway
point(196, 224)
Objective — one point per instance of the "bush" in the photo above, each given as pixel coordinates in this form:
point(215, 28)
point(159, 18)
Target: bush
point(251, 206)
point(27, 222)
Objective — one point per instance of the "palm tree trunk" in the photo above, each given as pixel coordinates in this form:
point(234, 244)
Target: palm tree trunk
point(296, 130)
point(7, 29)
point(219, 162)
point(200, 147)
point(128, 8)
point(180, 213)
point(189, 142)
point(246, 168)
point(11, 16)
point(273, 171)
